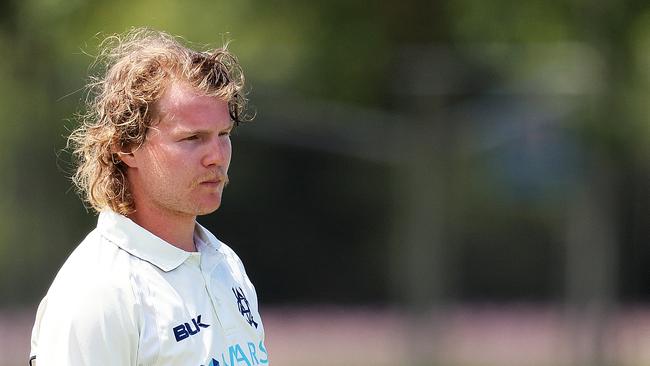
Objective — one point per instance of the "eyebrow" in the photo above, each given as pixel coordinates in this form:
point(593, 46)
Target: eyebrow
point(181, 131)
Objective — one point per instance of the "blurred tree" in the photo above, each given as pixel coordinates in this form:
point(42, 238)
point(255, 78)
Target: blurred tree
point(484, 78)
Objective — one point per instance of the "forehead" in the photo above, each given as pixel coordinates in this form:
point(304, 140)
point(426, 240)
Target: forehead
point(183, 105)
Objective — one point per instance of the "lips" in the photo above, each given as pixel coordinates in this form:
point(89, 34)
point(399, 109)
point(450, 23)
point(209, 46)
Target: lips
point(212, 180)
point(213, 185)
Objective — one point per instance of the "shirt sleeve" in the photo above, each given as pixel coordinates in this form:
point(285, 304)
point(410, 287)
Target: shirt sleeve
point(86, 325)
point(35, 331)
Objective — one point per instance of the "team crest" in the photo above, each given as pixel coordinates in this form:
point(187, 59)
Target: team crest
point(244, 306)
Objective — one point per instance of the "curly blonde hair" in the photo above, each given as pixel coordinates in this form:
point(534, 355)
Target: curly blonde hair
point(119, 111)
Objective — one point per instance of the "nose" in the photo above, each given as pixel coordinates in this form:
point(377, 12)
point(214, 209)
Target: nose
point(218, 152)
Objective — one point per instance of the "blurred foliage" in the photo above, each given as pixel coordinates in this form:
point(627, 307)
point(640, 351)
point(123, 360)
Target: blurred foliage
point(316, 225)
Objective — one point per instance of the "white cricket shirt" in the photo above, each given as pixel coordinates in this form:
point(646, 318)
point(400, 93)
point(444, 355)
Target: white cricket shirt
point(126, 297)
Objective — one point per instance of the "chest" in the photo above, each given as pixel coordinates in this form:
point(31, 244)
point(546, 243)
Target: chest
point(199, 315)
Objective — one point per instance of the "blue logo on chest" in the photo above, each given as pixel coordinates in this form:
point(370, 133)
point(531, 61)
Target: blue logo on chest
point(244, 306)
point(186, 329)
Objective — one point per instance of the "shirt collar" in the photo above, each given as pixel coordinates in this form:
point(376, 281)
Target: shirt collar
point(143, 244)
point(206, 243)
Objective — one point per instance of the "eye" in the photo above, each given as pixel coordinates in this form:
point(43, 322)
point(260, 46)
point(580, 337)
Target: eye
point(225, 133)
point(192, 137)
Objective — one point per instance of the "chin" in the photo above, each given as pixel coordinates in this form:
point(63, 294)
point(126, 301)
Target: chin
point(208, 209)
point(205, 204)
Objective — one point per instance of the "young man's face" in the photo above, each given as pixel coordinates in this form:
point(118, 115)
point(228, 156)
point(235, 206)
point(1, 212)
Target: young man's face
point(182, 167)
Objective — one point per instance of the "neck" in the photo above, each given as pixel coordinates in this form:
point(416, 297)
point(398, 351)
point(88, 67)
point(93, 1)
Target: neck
point(176, 229)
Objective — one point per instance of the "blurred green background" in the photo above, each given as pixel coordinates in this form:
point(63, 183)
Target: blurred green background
point(407, 155)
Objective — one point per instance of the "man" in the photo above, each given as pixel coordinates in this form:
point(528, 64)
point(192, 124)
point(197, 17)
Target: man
point(149, 285)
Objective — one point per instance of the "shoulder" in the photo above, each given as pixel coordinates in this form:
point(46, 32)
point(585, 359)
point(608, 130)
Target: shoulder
point(91, 291)
point(94, 282)
point(96, 265)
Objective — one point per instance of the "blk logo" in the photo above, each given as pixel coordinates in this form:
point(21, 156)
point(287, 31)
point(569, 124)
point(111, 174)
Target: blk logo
point(186, 329)
point(244, 306)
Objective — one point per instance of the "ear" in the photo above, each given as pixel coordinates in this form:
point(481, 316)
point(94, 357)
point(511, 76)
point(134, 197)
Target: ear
point(128, 159)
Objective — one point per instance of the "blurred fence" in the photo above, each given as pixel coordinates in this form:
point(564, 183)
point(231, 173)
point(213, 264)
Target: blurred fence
point(517, 335)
